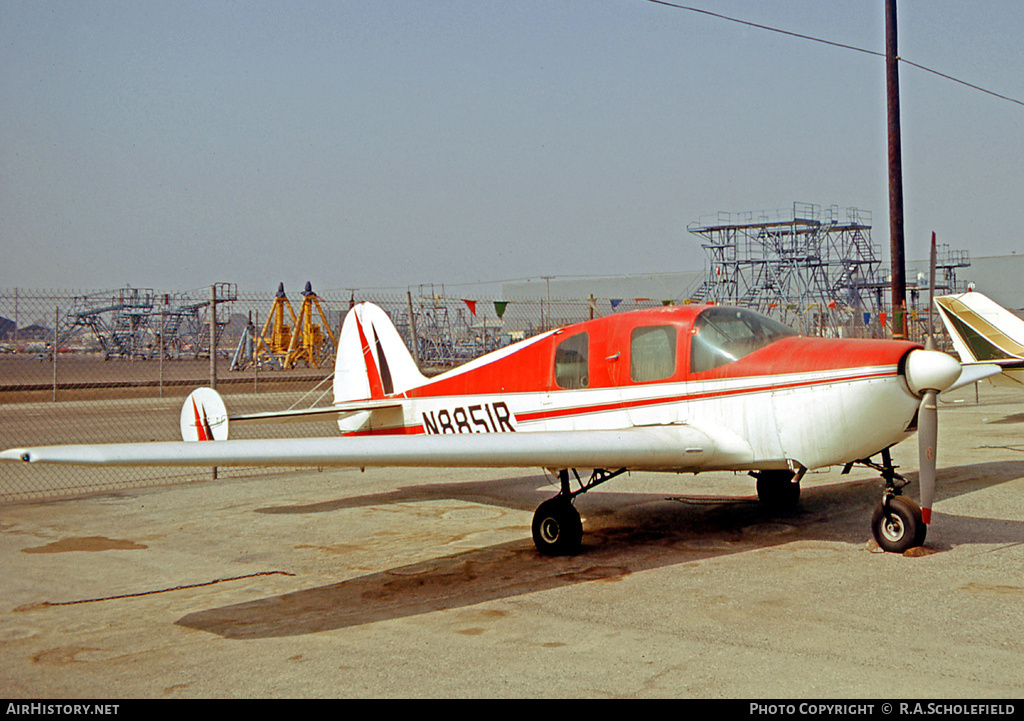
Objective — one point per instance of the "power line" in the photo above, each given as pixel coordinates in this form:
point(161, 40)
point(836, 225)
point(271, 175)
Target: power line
point(833, 44)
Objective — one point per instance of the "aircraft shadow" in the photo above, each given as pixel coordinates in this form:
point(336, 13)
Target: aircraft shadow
point(625, 533)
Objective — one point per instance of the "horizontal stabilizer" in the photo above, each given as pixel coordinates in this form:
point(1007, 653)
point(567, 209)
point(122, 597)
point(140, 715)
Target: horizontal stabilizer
point(303, 415)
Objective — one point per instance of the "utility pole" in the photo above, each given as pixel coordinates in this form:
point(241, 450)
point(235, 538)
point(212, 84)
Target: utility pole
point(896, 254)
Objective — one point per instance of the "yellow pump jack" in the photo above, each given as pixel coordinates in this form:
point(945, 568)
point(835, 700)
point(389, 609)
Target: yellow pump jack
point(303, 340)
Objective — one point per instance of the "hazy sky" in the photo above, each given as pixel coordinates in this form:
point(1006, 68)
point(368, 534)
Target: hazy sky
point(390, 143)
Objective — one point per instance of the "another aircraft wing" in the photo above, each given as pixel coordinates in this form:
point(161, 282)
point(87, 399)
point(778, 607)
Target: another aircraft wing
point(982, 330)
point(671, 447)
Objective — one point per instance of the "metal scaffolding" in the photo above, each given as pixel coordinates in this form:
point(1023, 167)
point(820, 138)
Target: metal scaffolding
point(137, 323)
point(813, 268)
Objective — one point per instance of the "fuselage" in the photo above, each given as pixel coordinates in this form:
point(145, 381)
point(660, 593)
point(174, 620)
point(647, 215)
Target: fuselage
point(768, 398)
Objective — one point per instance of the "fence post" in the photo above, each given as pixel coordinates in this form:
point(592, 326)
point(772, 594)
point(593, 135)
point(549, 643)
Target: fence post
point(56, 321)
point(213, 345)
point(160, 346)
point(412, 331)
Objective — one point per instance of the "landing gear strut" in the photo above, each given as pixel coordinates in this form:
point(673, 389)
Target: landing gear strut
point(557, 528)
point(896, 523)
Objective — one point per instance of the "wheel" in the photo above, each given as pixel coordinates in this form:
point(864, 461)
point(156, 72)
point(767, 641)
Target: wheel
point(557, 529)
point(898, 527)
point(776, 489)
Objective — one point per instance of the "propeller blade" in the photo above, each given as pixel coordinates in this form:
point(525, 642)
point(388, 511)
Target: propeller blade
point(927, 440)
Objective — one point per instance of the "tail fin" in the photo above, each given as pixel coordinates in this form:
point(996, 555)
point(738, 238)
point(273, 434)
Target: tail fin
point(981, 329)
point(373, 361)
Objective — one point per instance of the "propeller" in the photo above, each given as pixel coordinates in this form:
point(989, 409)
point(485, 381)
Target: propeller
point(928, 412)
point(928, 373)
point(927, 439)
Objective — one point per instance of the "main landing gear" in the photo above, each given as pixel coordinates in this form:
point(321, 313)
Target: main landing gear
point(557, 528)
point(896, 522)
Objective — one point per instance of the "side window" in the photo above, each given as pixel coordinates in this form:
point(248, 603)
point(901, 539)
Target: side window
point(652, 353)
point(571, 362)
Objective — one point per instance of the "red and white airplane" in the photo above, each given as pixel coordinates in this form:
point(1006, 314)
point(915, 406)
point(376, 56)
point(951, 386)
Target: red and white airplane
point(684, 389)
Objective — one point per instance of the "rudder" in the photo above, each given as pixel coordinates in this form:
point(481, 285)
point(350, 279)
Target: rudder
point(372, 361)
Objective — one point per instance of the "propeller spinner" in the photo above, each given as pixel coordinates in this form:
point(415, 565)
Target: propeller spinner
point(897, 523)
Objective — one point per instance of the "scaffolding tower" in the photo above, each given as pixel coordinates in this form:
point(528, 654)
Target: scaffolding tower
point(811, 268)
point(137, 323)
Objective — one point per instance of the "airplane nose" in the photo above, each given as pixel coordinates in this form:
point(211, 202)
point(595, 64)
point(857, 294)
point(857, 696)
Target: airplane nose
point(930, 370)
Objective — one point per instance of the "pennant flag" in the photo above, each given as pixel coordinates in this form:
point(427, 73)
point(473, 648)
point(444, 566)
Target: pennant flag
point(615, 302)
point(882, 317)
point(831, 304)
point(867, 318)
point(471, 304)
point(666, 302)
point(499, 307)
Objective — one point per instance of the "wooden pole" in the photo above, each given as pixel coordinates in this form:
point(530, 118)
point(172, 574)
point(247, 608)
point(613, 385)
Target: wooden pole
point(896, 245)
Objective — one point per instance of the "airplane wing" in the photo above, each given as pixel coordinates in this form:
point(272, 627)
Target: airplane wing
point(673, 447)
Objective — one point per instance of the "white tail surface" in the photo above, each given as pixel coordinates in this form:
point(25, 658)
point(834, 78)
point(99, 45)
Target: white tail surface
point(372, 362)
point(981, 329)
point(204, 416)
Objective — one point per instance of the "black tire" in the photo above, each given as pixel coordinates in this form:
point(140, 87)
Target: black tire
point(557, 528)
point(777, 491)
point(899, 527)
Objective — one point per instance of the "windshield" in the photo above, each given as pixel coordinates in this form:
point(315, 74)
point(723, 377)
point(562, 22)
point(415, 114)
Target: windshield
point(724, 335)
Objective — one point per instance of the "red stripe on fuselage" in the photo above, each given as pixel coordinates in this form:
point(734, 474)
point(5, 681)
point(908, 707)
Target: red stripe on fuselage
point(695, 396)
point(585, 410)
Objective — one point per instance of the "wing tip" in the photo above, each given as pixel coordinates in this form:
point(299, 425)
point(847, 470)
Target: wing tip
point(16, 454)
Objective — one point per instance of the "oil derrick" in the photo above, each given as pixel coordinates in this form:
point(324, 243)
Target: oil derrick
point(301, 339)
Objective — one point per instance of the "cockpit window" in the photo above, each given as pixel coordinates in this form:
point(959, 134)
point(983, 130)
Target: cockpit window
point(724, 335)
point(652, 353)
point(571, 362)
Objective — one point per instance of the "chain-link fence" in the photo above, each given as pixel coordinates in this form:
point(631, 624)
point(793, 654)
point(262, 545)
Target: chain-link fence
point(114, 366)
